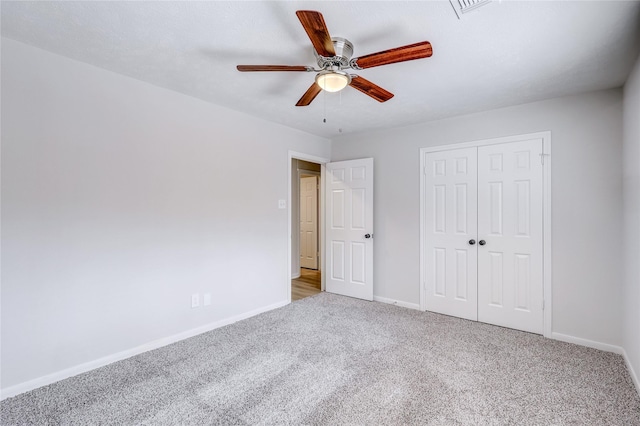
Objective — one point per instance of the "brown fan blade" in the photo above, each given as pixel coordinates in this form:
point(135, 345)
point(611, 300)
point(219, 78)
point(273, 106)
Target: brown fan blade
point(316, 29)
point(309, 95)
point(246, 68)
point(370, 89)
point(399, 54)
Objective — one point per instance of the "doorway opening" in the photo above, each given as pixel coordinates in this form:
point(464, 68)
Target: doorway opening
point(309, 275)
point(345, 203)
point(306, 225)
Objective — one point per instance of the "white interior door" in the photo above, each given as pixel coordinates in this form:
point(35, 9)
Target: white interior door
point(450, 232)
point(349, 228)
point(510, 263)
point(309, 222)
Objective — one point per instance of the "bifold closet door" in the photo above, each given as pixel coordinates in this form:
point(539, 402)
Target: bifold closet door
point(450, 232)
point(510, 274)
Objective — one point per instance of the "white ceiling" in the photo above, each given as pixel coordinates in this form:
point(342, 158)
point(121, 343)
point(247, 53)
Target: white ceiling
point(503, 53)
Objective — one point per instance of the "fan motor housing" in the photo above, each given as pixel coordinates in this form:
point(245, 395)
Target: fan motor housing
point(343, 49)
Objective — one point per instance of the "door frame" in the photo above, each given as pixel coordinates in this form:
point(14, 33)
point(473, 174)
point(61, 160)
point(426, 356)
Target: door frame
point(322, 161)
point(546, 214)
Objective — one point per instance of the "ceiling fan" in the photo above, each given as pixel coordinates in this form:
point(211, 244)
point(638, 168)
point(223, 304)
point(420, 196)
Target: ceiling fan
point(334, 56)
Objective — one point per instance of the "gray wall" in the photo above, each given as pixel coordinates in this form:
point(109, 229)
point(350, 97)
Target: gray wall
point(631, 173)
point(586, 202)
point(121, 199)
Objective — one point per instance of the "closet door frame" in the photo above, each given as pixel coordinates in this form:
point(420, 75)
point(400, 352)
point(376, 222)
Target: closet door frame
point(546, 214)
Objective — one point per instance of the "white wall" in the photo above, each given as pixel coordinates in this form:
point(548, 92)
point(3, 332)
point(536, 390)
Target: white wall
point(631, 185)
point(121, 199)
point(586, 202)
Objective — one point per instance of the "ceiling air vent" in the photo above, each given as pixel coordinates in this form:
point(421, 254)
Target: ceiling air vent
point(464, 6)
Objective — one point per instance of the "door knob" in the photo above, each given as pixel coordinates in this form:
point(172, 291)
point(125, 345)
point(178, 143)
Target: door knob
point(482, 242)
point(367, 235)
point(472, 242)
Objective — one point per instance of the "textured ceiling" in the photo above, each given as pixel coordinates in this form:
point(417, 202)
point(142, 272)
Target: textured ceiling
point(503, 53)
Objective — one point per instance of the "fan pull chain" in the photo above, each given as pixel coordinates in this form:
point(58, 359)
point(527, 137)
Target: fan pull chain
point(324, 103)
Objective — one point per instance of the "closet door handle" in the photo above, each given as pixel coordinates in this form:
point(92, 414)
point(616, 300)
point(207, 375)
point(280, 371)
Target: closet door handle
point(482, 242)
point(472, 242)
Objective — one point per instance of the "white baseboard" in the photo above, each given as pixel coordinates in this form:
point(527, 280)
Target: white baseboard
point(294, 276)
point(588, 343)
point(397, 302)
point(632, 372)
point(109, 359)
point(604, 347)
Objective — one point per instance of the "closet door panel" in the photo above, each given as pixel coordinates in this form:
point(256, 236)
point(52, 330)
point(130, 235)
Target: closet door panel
point(450, 224)
point(510, 257)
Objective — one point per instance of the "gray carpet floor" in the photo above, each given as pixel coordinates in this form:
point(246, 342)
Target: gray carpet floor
point(334, 360)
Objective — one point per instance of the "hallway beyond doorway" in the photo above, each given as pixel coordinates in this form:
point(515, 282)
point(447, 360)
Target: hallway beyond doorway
point(306, 285)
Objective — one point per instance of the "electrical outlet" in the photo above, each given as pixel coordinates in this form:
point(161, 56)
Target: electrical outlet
point(207, 299)
point(282, 204)
point(195, 300)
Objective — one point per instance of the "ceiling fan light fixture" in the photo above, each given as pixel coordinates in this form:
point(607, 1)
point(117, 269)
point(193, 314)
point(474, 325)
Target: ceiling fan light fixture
point(333, 81)
point(333, 55)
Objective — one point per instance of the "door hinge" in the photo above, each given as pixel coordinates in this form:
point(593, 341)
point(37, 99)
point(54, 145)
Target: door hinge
point(542, 157)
